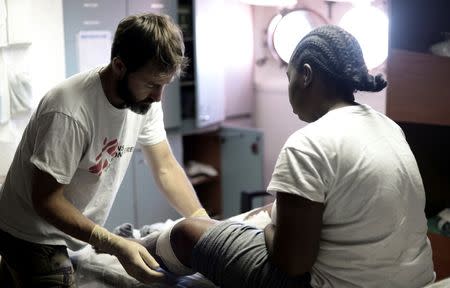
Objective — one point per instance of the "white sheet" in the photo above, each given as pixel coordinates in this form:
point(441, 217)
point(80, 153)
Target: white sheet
point(102, 270)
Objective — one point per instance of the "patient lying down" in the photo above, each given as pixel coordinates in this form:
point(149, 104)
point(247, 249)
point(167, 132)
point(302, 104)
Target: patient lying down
point(231, 253)
point(94, 270)
point(173, 245)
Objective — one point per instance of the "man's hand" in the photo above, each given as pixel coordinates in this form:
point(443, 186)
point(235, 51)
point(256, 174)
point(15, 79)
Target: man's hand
point(138, 262)
point(134, 258)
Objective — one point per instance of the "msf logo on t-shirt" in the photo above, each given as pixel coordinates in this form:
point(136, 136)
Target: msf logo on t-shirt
point(110, 151)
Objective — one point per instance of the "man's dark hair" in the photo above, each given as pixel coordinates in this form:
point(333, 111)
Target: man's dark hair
point(149, 37)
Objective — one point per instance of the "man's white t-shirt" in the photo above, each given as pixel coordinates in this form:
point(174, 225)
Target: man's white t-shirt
point(357, 162)
point(84, 142)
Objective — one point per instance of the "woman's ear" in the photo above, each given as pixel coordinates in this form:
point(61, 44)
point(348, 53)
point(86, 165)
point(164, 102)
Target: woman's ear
point(118, 67)
point(307, 75)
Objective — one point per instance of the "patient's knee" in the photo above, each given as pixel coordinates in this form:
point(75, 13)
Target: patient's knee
point(185, 234)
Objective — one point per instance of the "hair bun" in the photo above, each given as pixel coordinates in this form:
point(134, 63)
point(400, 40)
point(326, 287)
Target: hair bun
point(380, 83)
point(371, 83)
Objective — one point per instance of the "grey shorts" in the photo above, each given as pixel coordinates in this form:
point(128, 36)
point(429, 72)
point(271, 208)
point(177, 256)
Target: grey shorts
point(234, 255)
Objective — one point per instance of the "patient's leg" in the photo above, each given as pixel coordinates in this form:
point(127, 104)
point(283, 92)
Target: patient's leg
point(186, 234)
point(229, 253)
point(178, 241)
point(172, 247)
point(200, 225)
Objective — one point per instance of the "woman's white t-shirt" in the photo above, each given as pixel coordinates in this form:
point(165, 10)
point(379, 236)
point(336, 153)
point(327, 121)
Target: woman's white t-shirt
point(357, 162)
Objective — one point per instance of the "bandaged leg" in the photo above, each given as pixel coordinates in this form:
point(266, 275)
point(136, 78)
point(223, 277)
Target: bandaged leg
point(167, 255)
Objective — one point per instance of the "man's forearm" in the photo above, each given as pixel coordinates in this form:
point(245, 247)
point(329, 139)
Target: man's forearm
point(63, 215)
point(171, 178)
point(178, 190)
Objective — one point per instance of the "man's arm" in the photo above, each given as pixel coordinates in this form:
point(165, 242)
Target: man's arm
point(293, 243)
point(51, 204)
point(171, 178)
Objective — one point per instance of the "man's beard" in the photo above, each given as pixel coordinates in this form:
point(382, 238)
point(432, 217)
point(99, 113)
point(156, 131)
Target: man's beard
point(139, 107)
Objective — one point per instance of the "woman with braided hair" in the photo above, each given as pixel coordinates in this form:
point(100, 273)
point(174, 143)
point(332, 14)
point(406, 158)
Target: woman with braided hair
point(349, 208)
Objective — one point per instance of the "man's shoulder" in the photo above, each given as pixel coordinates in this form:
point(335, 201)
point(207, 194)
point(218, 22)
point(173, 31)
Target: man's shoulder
point(69, 96)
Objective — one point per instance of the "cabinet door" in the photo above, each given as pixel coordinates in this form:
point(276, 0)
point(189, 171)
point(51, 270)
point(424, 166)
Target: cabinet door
point(84, 20)
point(18, 21)
point(422, 95)
point(209, 73)
point(171, 105)
point(239, 59)
point(151, 205)
point(98, 15)
point(241, 166)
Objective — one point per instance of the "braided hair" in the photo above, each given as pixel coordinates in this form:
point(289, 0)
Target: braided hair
point(337, 54)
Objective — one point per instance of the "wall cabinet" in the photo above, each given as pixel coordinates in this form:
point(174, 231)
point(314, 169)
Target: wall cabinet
point(85, 16)
point(89, 28)
point(241, 166)
point(218, 85)
point(418, 99)
point(237, 155)
point(218, 82)
point(17, 20)
point(418, 92)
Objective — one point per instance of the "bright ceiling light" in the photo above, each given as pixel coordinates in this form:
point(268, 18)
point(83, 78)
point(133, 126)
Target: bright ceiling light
point(279, 3)
point(370, 26)
point(287, 31)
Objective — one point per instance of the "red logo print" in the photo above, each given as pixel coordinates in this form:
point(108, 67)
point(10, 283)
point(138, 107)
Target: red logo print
point(104, 159)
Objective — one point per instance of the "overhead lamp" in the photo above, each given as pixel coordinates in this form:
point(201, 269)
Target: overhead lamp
point(277, 3)
point(287, 28)
point(370, 26)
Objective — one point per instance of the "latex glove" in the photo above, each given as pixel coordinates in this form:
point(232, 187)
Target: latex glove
point(200, 213)
point(134, 258)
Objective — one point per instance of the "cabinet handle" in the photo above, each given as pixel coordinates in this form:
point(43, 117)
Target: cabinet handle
point(255, 148)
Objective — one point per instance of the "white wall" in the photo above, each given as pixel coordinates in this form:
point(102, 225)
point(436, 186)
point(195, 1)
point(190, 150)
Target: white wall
point(43, 59)
point(47, 49)
point(273, 114)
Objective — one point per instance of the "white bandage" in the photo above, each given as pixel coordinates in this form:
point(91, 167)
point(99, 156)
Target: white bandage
point(165, 252)
point(259, 220)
